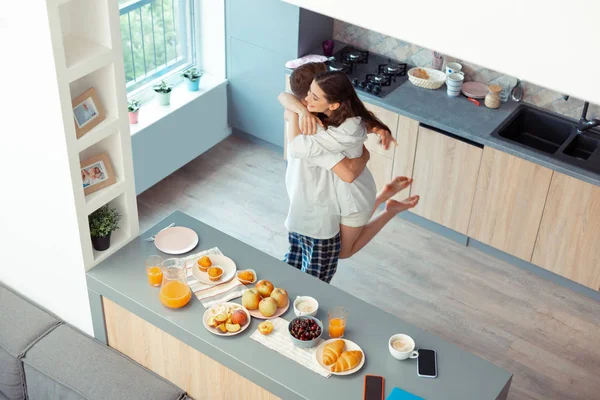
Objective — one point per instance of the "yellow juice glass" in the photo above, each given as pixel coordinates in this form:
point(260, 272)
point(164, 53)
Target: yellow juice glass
point(337, 322)
point(154, 265)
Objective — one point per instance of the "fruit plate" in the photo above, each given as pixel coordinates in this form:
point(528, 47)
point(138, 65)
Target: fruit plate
point(224, 308)
point(226, 263)
point(350, 345)
point(280, 311)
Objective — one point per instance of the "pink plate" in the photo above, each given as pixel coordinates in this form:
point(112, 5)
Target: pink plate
point(475, 90)
point(280, 311)
point(176, 240)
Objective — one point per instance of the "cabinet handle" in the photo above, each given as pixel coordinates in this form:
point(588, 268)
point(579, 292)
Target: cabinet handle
point(453, 136)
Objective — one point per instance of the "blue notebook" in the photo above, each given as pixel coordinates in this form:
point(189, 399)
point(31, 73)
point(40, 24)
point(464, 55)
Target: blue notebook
point(399, 394)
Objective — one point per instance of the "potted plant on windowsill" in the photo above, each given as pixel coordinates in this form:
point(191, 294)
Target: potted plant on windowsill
point(103, 222)
point(163, 92)
point(133, 106)
point(192, 77)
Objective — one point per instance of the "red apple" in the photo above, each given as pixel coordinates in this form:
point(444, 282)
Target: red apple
point(280, 296)
point(264, 287)
point(267, 306)
point(250, 299)
point(239, 317)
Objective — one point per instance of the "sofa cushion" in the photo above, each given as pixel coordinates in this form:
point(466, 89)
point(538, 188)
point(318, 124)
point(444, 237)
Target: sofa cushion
point(22, 322)
point(22, 325)
point(78, 365)
point(11, 384)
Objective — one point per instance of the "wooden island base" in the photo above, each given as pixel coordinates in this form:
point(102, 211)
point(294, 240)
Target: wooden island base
point(199, 375)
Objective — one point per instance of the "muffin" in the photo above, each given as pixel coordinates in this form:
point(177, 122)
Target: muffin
point(246, 276)
point(204, 263)
point(214, 273)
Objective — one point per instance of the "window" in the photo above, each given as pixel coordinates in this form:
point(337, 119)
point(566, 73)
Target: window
point(157, 38)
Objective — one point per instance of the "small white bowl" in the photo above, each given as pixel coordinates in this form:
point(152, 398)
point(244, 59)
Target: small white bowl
point(310, 300)
point(403, 355)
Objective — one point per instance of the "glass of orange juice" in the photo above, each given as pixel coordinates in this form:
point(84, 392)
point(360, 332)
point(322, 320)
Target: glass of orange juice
point(337, 322)
point(174, 290)
point(154, 265)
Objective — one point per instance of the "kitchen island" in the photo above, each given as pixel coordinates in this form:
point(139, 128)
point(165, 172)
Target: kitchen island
point(119, 286)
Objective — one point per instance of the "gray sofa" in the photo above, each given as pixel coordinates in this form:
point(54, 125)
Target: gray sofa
point(43, 358)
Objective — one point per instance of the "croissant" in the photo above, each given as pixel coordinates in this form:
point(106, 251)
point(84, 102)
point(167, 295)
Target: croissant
point(347, 361)
point(332, 351)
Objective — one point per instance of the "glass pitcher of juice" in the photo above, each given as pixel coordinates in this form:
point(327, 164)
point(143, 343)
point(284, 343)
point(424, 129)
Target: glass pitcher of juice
point(337, 322)
point(174, 290)
point(154, 265)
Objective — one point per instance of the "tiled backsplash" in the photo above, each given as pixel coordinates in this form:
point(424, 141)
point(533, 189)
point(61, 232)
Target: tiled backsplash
point(422, 57)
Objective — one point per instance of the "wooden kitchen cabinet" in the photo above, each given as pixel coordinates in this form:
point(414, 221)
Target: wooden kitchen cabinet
point(390, 119)
point(508, 205)
point(568, 242)
point(381, 168)
point(404, 154)
point(445, 176)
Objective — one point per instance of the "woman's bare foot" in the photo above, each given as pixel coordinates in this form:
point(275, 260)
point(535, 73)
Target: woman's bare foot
point(396, 207)
point(390, 189)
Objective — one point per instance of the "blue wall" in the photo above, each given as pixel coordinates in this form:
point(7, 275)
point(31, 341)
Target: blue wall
point(171, 142)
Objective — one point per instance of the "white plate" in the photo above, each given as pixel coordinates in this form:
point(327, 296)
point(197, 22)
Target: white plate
point(280, 311)
point(176, 240)
point(225, 263)
point(216, 309)
point(350, 345)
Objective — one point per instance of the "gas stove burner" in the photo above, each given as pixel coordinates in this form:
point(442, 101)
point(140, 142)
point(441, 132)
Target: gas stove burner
point(396, 69)
point(356, 56)
point(339, 66)
point(379, 79)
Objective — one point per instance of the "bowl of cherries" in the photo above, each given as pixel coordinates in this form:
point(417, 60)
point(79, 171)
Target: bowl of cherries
point(305, 331)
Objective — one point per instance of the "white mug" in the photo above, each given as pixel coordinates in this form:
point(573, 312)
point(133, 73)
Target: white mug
point(410, 352)
point(454, 83)
point(453, 67)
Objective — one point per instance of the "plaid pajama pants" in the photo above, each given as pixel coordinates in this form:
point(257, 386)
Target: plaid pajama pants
point(318, 257)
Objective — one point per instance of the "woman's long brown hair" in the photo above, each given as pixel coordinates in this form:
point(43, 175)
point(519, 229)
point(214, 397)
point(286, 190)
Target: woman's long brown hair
point(338, 89)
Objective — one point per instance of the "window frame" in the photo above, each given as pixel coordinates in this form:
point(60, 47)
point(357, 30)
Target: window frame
point(142, 90)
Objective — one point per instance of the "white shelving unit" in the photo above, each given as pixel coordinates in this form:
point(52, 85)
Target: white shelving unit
point(86, 41)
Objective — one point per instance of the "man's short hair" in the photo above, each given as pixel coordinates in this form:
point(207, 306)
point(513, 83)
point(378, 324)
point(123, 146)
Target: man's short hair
point(303, 76)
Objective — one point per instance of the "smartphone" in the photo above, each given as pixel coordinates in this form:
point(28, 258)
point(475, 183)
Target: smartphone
point(373, 387)
point(427, 363)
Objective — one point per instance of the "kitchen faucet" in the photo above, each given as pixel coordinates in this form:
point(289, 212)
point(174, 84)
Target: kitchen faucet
point(584, 124)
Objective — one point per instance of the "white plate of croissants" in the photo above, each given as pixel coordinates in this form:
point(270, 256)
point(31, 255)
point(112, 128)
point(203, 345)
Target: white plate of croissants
point(340, 356)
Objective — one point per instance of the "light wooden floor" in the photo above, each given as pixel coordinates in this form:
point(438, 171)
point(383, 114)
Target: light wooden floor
point(547, 335)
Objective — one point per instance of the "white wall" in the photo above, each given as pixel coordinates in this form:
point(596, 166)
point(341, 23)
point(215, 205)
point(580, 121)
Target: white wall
point(39, 237)
point(552, 43)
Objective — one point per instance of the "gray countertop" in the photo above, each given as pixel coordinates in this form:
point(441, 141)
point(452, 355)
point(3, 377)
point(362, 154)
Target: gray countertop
point(459, 116)
point(462, 375)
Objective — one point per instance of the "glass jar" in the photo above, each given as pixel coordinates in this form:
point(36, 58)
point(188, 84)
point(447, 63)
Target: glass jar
point(492, 98)
point(174, 290)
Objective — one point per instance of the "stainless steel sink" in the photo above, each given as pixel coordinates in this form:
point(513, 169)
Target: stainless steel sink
point(552, 135)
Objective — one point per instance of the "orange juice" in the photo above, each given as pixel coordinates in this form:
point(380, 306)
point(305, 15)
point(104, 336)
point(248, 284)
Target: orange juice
point(154, 275)
point(175, 294)
point(336, 327)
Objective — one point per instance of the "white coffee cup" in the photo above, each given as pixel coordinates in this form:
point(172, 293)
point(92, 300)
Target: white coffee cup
point(406, 351)
point(453, 67)
point(454, 83)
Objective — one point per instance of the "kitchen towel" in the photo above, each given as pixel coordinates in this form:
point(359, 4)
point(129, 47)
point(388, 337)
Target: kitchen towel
point(311, 58)
point(279, 340)
point(399, 394)
point(211, 294)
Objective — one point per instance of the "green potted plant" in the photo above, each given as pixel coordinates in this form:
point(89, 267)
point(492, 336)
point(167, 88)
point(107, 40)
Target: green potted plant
point(103, 222)
point(192, 76)
point(163, 91)
point(133, 106)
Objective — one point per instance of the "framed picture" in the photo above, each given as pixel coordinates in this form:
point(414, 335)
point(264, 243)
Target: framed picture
point(97, 173)
point(87, 112)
